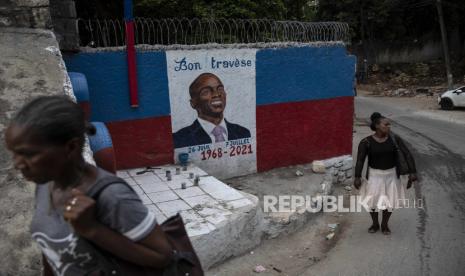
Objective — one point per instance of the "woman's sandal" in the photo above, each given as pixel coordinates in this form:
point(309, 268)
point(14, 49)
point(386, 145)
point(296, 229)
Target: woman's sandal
point(385, 230)
point(373, 228)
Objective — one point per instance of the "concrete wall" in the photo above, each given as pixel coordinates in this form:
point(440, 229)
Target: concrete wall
point(303, 103)
point(30, 65)
point(25, 13)
point(63, 14)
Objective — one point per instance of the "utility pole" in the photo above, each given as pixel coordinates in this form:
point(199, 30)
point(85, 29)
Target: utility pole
point(444, 44)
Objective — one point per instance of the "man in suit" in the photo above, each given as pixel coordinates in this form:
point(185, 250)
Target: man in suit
point(208, 98)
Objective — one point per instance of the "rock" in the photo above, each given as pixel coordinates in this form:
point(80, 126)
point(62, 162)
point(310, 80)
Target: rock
point(326, 187)
point(348, 188)
point(318, 167)
point(401, 92)
point(333, 226)
point(328, 177)
point(349, 174)
point(299, 173)
point(259, 269)
point(347, 164)
point(330, 236)
point(341, 177)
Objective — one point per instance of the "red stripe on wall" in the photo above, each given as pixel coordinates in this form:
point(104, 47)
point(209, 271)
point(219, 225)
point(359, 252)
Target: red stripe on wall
point(300, 132)
point(140, 143)
point(132, 69)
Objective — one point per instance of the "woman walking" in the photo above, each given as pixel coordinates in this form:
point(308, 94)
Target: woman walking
point(388, 158)
point(77, 234)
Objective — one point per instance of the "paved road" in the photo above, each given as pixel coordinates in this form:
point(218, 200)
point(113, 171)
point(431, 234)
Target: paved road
point(424, 241)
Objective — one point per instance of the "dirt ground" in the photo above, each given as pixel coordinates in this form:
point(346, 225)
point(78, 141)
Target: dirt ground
point(289, 254)
point(294, 253)
point(418, 102)
point(421, 104)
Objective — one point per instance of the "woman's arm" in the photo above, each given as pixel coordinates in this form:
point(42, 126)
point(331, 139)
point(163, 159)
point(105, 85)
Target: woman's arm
point(152, 251)
point(408, 156)
point(361, 156)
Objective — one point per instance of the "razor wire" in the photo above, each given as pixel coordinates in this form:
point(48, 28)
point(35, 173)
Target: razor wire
point(184, 31)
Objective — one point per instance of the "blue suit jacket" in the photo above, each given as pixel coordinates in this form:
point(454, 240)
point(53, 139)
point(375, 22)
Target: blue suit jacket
point(195, 135)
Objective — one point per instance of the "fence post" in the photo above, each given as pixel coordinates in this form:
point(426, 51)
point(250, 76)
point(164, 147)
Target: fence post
point(131, 53)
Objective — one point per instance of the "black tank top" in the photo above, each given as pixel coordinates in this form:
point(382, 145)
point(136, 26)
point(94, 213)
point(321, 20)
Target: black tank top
point(381, 156)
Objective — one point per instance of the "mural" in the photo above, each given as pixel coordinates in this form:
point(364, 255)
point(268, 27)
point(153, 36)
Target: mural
point(288, 105)
point(213, 103)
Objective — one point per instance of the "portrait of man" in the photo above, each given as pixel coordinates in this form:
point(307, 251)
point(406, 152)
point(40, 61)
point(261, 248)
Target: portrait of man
point(208, 98)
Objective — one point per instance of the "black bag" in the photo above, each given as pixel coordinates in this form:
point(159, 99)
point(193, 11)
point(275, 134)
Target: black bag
point(185, 260)
point(402, 164)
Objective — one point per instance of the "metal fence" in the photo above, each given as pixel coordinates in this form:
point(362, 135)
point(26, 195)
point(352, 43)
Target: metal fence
point(111, 33)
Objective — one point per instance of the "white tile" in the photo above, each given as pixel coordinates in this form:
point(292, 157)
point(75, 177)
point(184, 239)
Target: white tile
point(130, 181)
point(145, 199)
point(189, 192)
point(159, 216)
point(123, 174)
point(153, 208)
point(189, 216)
point(137, 189)
point(170, 208)
point(162, 171)
point(217, 219)
point(177, 183)
point(133, 172)
point(218, 189)
point(207, 211)
point(236, 204)
point(197, 229)
point(196, 170)
point(146, 179)
point(154, 187)
point(202, 200)
point(162, 196)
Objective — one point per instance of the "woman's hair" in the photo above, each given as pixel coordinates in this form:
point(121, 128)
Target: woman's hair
point(375, 118)
point(54, 119)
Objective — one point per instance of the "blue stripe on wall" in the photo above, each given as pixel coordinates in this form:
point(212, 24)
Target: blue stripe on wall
point(305, 73)
point(106, 74)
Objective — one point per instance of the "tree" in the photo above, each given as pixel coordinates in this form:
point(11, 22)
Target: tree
point(274, 9)
point(392, 20)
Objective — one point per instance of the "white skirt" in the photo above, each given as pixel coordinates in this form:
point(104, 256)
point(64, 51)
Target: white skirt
point(383, 190)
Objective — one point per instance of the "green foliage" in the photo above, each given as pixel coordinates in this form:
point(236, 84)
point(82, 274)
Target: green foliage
point(274, 9)
point(392, 20)
point(369, 20)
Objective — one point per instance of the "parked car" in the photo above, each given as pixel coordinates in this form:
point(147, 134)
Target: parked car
point(452, 98)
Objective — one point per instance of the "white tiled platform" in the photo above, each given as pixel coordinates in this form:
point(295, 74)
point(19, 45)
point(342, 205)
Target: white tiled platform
point(204, 208)
point(221, 221)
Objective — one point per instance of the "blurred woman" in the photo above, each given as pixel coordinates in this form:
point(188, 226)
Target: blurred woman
point(76, 234)
point(382, 189)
